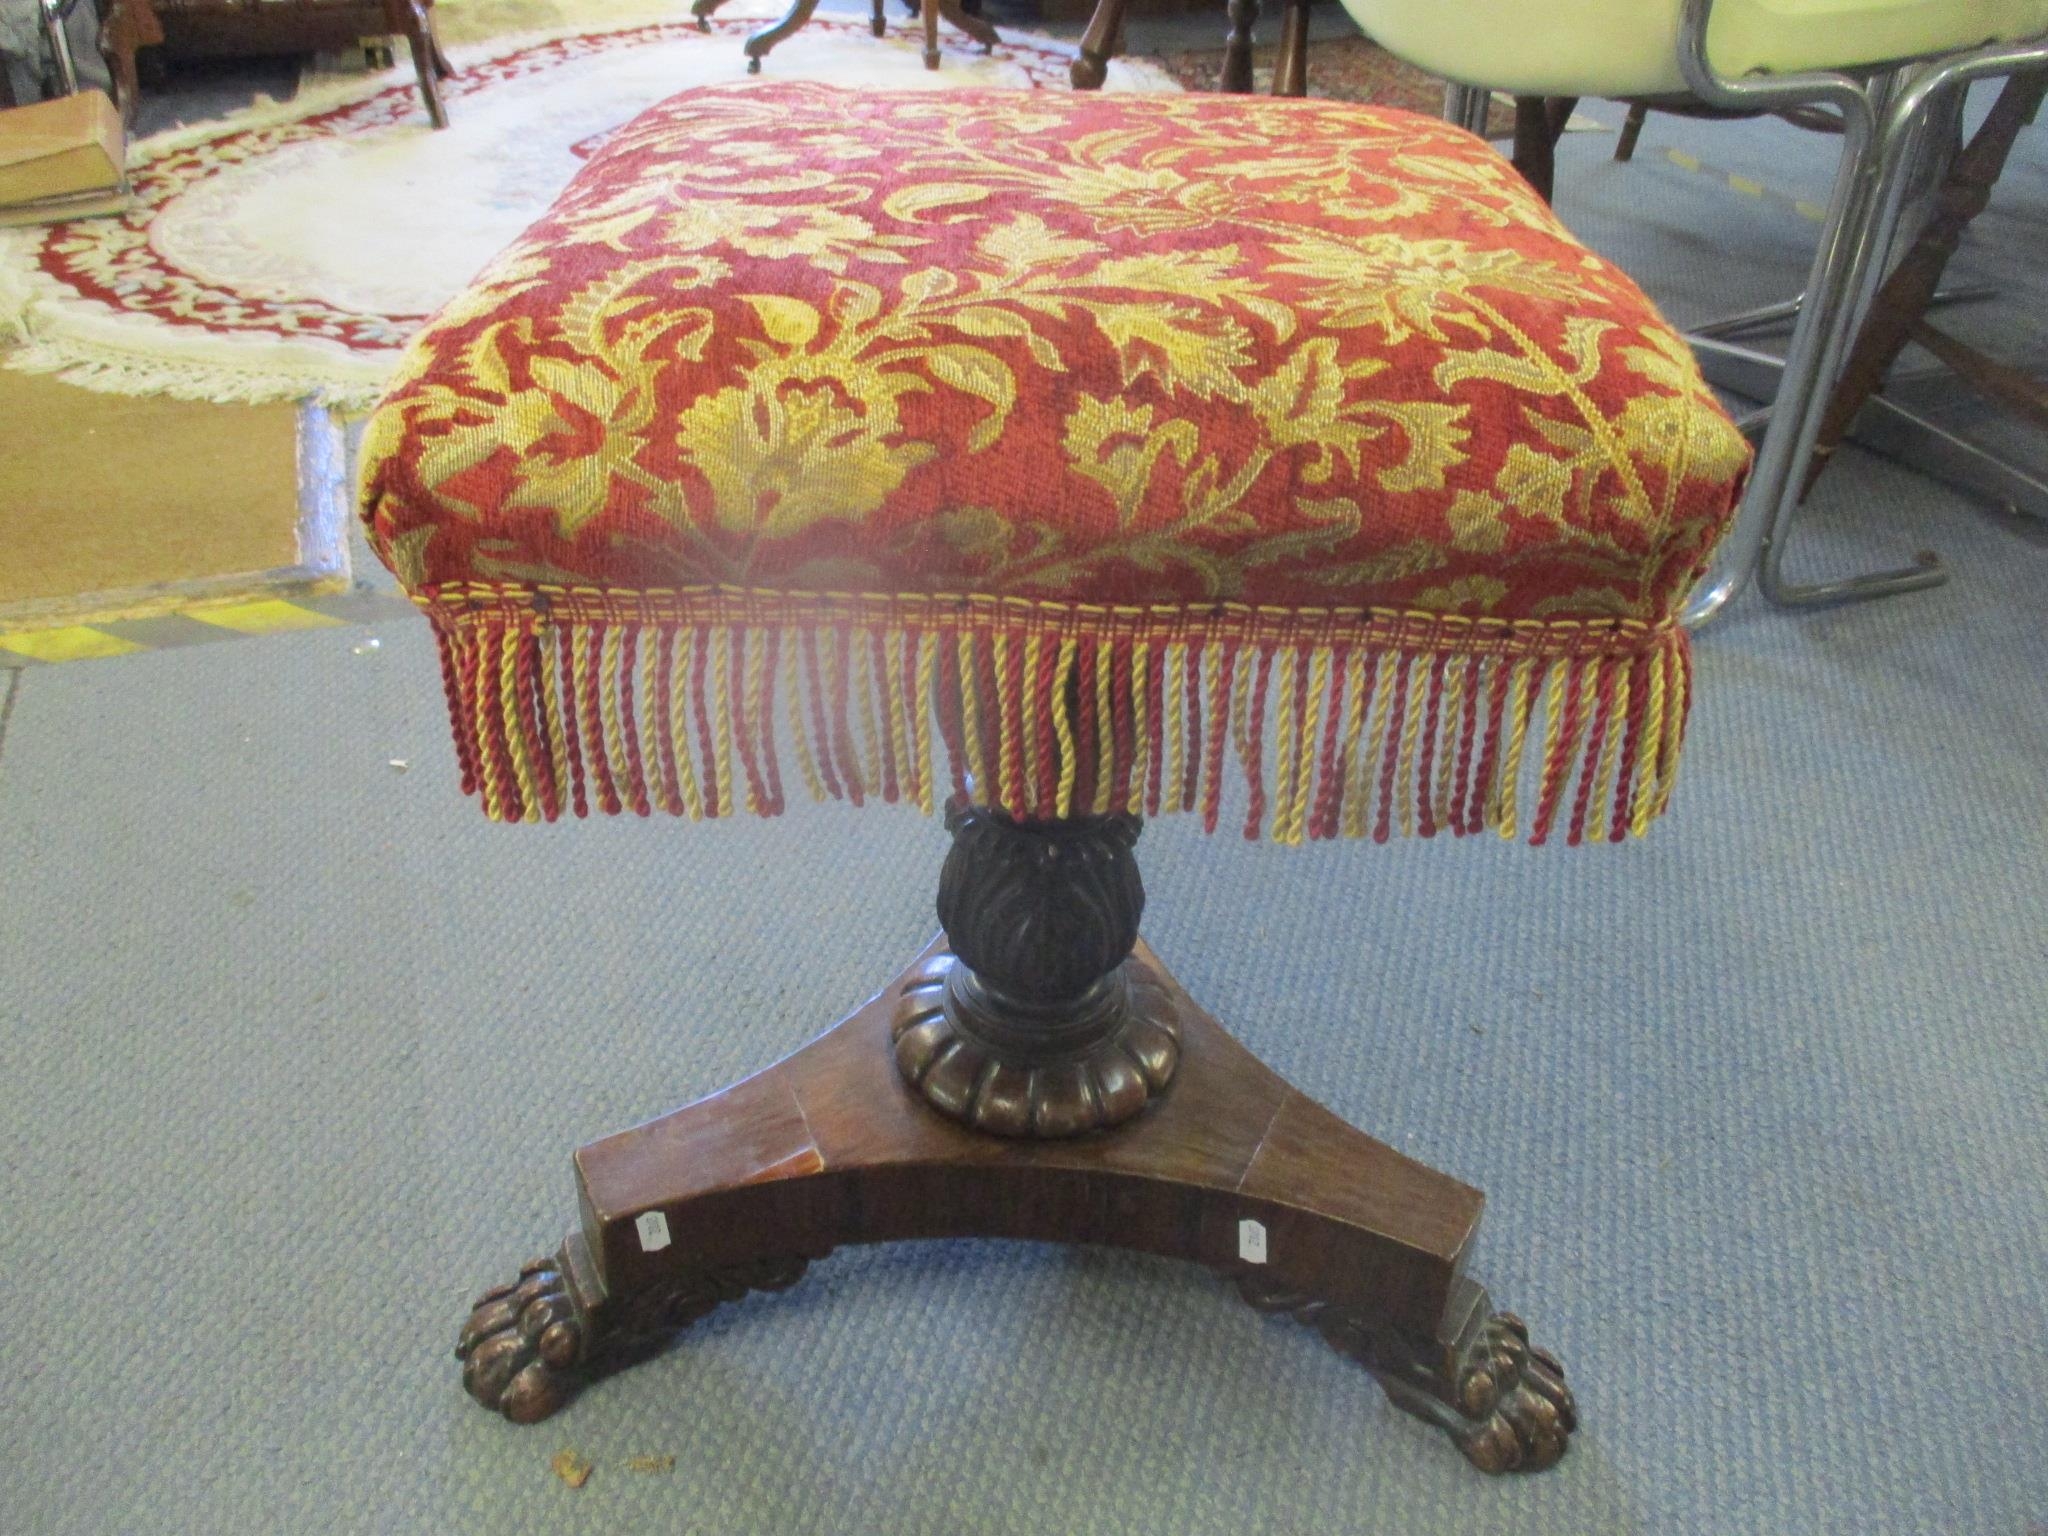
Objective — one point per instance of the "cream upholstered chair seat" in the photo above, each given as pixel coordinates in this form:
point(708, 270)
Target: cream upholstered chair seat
point(1631, 47)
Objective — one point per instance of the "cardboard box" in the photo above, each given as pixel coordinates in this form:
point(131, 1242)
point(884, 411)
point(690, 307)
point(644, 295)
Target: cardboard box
point(64, 148)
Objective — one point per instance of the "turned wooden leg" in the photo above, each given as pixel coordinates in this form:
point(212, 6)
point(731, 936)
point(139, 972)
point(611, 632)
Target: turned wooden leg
point(971, 23)
point(125, 26)
point(409, 17)
point(1237, 45)
point(1631, 130)
point(757, 46)
point(1099, 44)
point(1290, 70)
point(872, 1133)
point(930, 16)
point(1898, 313)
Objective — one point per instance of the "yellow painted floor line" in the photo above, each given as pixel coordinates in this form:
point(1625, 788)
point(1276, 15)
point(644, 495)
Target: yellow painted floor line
point(266, 616)
point(76, 642)
point(199, 625)
point(1748, 186)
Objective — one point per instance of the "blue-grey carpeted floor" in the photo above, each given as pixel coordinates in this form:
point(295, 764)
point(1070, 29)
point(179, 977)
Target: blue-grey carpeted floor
point(293, 1047)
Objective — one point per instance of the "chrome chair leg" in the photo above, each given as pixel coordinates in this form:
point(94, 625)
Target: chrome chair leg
point(55, 13)
point(1886, 427)
point(1467, 106)
point(1830, 281)
point(1893, 156)
point(1861, 210)
point(1764, 316)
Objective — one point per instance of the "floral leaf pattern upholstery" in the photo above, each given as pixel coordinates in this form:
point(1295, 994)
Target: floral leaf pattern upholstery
point(1094, 433)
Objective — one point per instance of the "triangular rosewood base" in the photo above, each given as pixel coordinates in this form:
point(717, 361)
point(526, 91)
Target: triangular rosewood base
point(1231, 1168)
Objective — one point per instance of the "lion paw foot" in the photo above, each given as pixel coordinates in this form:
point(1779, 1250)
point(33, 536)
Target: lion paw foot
point(1513, 1393)
point(522, 1344)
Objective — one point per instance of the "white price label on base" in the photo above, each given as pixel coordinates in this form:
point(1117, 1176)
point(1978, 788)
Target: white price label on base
point(1251, 1241)
point(653, 1230)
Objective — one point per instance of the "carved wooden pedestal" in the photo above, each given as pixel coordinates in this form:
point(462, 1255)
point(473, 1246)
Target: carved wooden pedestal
point(1228, 1166)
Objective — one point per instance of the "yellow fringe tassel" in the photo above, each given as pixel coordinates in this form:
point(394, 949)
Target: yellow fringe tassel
point(1481, 737)
point(793, 704)
point(1141, 732)
point(921, 713)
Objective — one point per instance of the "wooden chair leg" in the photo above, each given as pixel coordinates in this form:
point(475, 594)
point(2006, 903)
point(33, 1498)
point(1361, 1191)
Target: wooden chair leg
point(757, 46)
point(125, 26)
point(1237, 47)
point(1534, 154)
point(701, 10)
point(878, 22)
point(970, 22)
point(443, 69)
point(1631, 130)
point(1290, 70)
point(1539, 123)
point(1901, 304)
point(1099, 44)
point(409, 18)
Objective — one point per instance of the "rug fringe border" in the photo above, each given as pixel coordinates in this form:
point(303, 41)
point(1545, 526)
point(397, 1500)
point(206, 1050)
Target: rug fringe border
point(45, 328)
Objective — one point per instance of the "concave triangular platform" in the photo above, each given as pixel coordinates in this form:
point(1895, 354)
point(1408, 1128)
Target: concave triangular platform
point(1233, 1169)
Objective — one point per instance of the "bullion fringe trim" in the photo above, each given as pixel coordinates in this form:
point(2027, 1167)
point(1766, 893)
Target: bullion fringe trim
point(1341, 724)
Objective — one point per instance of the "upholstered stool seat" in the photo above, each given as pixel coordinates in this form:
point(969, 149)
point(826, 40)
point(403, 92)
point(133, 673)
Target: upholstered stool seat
point(1040, 455)
point(804, 409)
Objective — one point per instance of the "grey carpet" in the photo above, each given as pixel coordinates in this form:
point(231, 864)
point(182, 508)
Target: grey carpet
point(293, 1047)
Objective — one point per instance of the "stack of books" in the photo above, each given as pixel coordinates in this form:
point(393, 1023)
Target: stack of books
point(62, 159)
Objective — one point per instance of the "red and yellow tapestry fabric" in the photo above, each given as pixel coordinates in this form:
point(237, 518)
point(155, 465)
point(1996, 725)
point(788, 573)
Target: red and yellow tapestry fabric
point(1319, 395)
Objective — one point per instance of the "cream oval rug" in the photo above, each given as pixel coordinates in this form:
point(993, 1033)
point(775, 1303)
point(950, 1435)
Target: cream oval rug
point(290, 250)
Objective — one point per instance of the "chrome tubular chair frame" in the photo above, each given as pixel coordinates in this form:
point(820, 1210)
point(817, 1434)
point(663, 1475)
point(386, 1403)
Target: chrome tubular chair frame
point(1466, 105)
point(55, 13)
point(1883, 125)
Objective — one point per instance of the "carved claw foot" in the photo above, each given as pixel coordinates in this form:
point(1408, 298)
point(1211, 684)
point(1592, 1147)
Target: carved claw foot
point(1515, 1397)
point(1502, 1401)
point(528, 1346)
point(522, 1344)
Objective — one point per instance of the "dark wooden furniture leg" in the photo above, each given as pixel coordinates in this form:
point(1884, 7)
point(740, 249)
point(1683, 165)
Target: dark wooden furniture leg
point(1099, 45)
point(410, 18)
point(756, 46)
point(125, 26)
point(878, 22)
point(1631, 130)
point(1237, 46)
point(702, 9)
point(1290, 70)
point(974, 1097)
point(1899, 312)
point(971, 23)
point(1539, 124)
